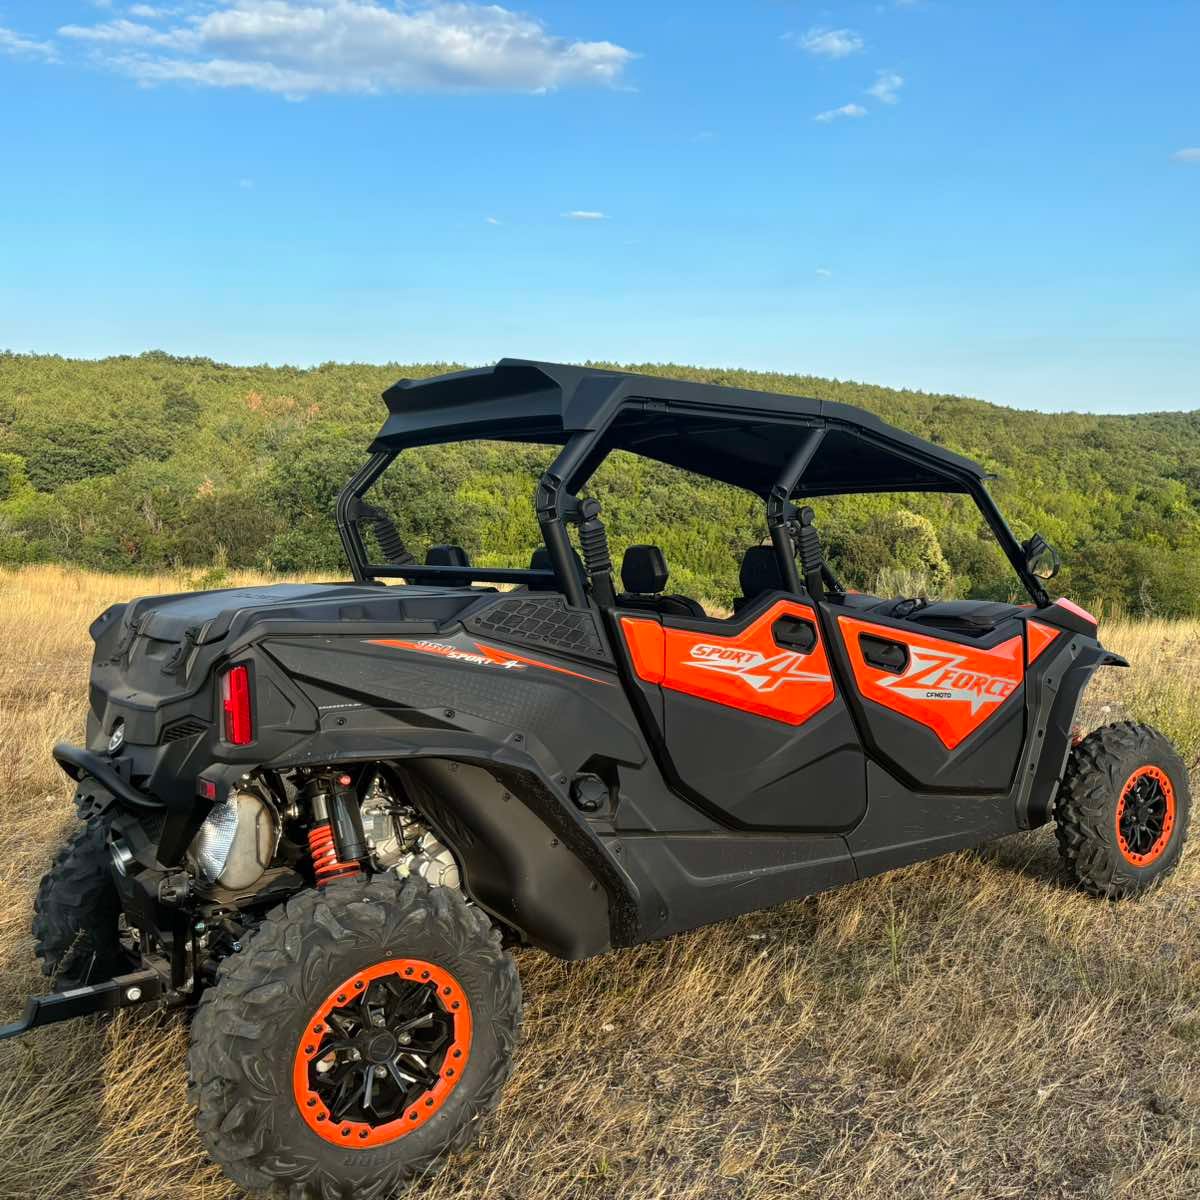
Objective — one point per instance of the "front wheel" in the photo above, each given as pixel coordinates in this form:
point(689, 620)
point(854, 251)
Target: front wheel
point(358, 1036)
point(1122, 811)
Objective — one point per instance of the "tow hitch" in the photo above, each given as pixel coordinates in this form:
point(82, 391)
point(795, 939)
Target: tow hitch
point(124, 991)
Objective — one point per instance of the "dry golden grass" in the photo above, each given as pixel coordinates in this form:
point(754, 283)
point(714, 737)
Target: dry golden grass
point(969, 1027)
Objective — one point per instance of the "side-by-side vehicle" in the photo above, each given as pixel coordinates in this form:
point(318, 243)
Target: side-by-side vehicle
point(323, 814)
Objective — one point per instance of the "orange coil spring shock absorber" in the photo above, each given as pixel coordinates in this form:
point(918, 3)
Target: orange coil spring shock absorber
point(323, 848)
point(336, 830)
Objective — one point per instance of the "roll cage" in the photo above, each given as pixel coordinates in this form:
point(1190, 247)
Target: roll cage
point(781, 448)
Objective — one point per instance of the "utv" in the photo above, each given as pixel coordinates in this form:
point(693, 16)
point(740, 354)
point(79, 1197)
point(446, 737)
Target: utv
point(321, 814)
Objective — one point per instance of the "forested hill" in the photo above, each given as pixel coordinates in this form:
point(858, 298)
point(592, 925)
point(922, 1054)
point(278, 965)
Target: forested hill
point(156, 461)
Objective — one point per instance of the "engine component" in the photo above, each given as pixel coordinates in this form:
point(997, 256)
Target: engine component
point(433, 862)
point(121, 855)
point(402, 843)
point(237, 841)
point(384, 825)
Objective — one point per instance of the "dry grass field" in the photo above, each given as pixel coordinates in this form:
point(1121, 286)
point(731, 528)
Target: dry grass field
point(969, 1027)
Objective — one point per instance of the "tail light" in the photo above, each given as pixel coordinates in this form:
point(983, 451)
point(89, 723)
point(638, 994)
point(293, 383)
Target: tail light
point(237, 706)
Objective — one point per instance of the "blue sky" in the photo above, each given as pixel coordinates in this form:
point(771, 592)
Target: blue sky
point(996, 199)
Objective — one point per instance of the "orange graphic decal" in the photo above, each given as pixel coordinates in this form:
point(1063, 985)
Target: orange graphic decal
point(948, 687)
point(506, 658)
point(747, 670)
point(1037, 638)
point(482, 656)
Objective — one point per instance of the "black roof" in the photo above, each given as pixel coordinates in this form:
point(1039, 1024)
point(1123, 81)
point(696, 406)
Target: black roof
point(736, 435)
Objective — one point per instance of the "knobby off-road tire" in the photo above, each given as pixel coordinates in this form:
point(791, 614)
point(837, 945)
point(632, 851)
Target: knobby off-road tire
point(1116, 773)
point(266, 1029)
point(76, 912)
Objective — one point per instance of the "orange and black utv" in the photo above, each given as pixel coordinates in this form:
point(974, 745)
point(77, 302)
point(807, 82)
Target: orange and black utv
point(321, 814)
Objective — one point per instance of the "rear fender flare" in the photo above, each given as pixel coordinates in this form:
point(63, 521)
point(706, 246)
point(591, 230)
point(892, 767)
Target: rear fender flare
point(524, 860)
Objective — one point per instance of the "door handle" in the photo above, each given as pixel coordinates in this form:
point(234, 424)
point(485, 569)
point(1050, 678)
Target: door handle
point(883, 655)
point(795, 634)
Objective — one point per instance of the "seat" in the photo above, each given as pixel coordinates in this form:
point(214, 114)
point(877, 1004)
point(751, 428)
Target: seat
point(447, 555)
point(644, 576)
point(758, 574)
point(540, 561)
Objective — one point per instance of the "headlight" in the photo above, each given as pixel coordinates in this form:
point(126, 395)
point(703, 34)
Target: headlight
point(237, 841)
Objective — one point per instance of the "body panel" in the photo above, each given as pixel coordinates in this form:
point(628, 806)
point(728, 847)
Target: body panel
point(750, 718)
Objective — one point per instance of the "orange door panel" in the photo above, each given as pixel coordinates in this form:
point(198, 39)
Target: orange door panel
point(757, 670)
point(948, 687)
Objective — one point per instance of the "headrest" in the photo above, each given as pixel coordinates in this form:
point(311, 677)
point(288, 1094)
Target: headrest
point(760, 572)
point(447, 556)
point(644, 570)
point(540, 561)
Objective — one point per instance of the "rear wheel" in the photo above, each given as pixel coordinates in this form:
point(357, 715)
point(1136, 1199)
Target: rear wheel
point(76, 914)
point(1122, 812)
point(356, 1038)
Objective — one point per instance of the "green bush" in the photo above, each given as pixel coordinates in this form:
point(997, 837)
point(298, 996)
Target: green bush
point(156, 462)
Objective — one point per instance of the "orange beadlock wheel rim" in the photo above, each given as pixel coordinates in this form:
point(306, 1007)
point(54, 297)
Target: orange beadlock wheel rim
point(1145, 815)
point(382, 1054)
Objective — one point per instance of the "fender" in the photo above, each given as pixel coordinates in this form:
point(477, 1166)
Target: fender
point(547, 879)
point(1054, 686)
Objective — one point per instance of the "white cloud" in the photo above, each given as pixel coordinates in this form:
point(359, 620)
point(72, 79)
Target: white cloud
point(1189, 154)
point(828, 43)
point(300, 47)
point(886, 87)
point(131, 33)
point(149, 13)
point(247, 185)
point(492, 220)
point(847, 110)
point(824, 272)
point(583, 214)
point(16, 46)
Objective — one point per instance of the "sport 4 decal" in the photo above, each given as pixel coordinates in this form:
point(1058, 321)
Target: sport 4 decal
point(482, 656)
point(950, 688)
point(747, 670)
point(762, 673)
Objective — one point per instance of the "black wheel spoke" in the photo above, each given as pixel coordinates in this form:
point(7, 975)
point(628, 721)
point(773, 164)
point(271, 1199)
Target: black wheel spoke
point(423, 1019)
point(339, 1022)
point(336, 1075)
point(401, 1076)
point(411, 1063)
point(343, 1099)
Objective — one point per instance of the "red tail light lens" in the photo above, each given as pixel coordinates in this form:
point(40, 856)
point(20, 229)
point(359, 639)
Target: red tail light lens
point(235, 700)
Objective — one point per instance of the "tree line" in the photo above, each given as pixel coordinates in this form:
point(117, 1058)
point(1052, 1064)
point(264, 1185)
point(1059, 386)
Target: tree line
point(155, 461)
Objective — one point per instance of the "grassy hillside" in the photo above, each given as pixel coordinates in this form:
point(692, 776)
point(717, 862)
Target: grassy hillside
point(965, 1028)
point(156, 462)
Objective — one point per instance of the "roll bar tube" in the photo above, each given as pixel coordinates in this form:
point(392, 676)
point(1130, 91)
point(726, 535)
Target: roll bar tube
point(553, 501)
point(777, 506)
